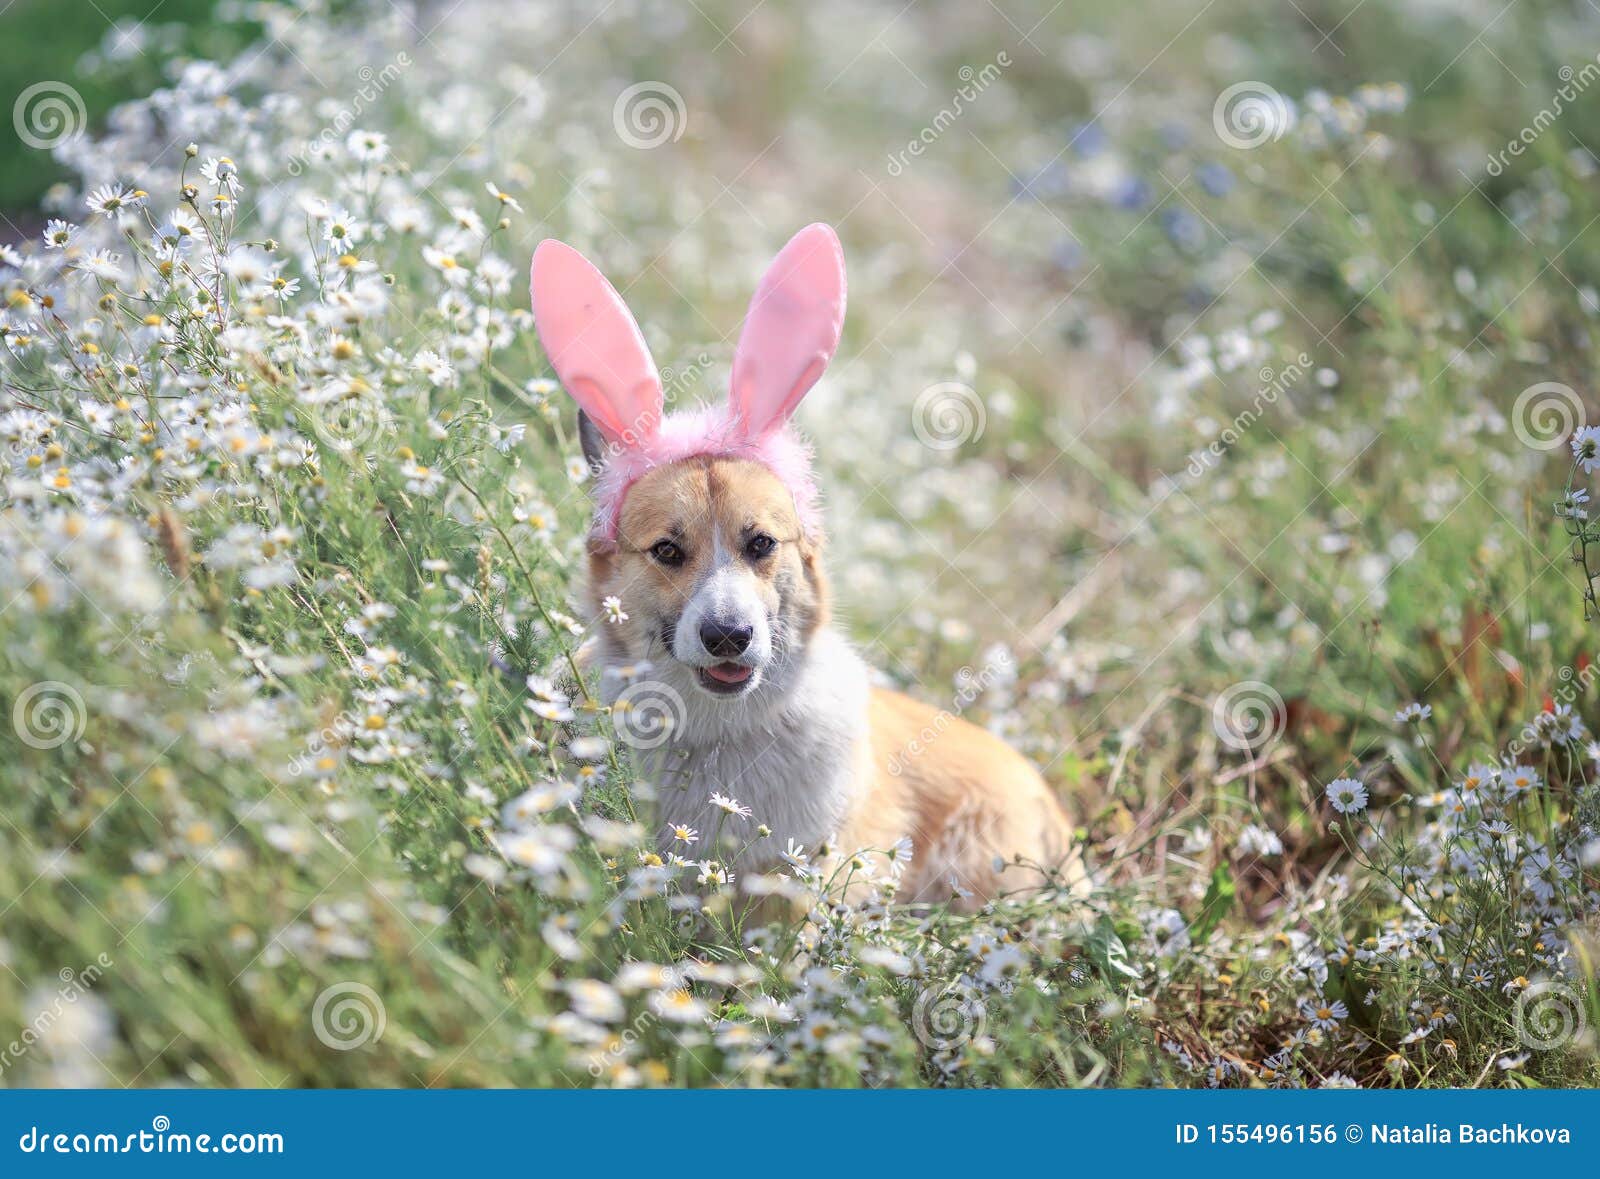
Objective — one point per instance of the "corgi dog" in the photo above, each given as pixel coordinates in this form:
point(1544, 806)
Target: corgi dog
point(712, 605)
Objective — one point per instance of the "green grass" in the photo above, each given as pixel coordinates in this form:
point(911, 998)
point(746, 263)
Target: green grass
point(39, 41)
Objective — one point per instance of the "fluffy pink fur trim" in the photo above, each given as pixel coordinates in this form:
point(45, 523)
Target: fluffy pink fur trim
point(695, 433)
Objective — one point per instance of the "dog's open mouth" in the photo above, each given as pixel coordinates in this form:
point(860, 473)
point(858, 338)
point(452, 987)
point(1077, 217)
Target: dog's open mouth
point(725, 679)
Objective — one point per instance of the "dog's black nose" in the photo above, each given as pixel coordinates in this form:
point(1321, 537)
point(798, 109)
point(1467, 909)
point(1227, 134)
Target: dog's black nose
point(726, 641)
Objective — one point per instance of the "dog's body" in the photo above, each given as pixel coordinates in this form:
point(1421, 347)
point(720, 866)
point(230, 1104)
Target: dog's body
point(818, 755)
point(706, 576)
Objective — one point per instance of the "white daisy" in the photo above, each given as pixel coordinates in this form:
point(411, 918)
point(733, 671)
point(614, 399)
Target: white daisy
point(1347, 795)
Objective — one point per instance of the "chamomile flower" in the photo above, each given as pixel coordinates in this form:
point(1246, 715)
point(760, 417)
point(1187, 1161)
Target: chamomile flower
point(367, 147)
point(505, 198)
point(101, 264)
point(175, 233)
point(713, 875)
point(58, 234)
point(1324, 1014)
point(589, 748)
point(281, 287)
point(420, 479)
point(730, 806)
point(109, 200)
point(1255, 840)
point(222, 173)
point(611, 606)
point(1586, 448)
point(541, 849)
point(1347, 795)
point(341, 229)
point(795, 857)
point(438, 371)
point(1518, 781)
point(1413, 714)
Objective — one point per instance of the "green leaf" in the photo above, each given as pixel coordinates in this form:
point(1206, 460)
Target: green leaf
point(1108, 953)
point(1218, 901)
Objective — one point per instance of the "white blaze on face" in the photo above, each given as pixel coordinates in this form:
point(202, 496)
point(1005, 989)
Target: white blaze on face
point(729, 595)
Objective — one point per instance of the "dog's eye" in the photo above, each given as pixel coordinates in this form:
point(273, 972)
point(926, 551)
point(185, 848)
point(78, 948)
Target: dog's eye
point(667, 553)
point(760, 545)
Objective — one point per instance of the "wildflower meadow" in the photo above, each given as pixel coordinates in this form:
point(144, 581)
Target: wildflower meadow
point(1211, 422)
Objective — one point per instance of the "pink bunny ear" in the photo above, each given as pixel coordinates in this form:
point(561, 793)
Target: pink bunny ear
point(791, 330)
point(594, 344)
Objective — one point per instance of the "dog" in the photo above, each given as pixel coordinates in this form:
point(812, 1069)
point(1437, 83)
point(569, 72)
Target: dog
point(706, 568)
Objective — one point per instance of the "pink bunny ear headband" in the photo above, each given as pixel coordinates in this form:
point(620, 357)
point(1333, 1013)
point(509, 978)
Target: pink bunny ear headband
point(790, 333)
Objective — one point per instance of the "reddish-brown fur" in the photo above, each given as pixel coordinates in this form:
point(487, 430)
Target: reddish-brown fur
point(962, 796)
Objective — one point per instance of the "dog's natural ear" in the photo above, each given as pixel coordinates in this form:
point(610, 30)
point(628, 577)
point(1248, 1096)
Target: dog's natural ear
point(593, 442)
point(791, 330)
point(594, 345)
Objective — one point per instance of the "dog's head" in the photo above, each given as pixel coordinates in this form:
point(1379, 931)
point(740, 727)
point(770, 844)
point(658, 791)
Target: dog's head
point(706, 528)
point(721, 585)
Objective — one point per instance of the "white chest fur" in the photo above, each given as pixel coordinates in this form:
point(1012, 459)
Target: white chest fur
point(791, 754)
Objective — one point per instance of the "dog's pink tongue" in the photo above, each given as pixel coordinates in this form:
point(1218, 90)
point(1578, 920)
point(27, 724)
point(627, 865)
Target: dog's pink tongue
point(728, 673)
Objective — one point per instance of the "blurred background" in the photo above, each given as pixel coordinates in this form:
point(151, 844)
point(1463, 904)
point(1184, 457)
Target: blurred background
point(112, 49)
